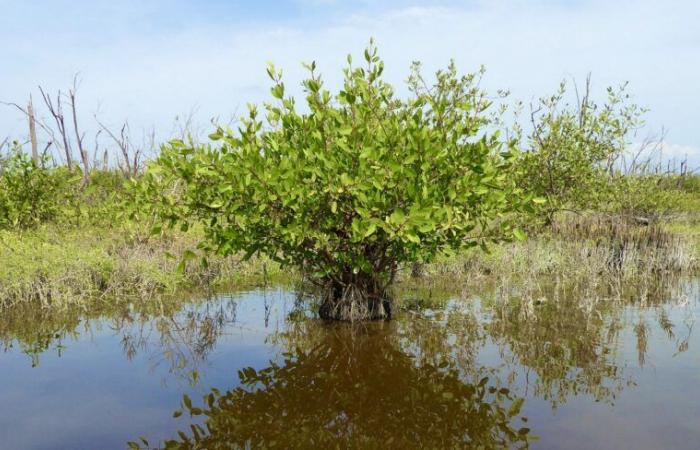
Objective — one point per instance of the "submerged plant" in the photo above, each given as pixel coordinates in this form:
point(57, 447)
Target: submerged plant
point(350, 187)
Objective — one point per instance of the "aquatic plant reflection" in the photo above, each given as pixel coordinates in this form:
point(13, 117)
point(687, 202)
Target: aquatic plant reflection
point(356, 388)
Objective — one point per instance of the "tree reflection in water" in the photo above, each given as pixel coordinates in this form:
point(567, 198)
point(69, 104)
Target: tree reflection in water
point(343, 386)
point(571, 346)
point(415, 381)
point(177, 334)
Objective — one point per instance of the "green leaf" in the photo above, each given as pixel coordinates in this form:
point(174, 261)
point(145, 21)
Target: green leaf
point(187, 401)
point(271, 71)
point(515, 407)
point(413, 237)
point(278, 91)
point(519, 234)
point(397, 217)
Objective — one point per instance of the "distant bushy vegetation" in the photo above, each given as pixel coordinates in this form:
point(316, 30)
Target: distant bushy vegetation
point(31, 194)
point(37, 193)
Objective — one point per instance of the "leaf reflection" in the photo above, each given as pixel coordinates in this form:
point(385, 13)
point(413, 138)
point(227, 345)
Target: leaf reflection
point(350, 387)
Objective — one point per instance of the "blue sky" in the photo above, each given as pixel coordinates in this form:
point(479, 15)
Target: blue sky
point(150, 60)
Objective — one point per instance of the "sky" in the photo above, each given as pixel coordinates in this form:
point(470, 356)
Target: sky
point(150, 61)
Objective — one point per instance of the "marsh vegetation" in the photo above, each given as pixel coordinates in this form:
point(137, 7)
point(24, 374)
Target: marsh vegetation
point(470, 269)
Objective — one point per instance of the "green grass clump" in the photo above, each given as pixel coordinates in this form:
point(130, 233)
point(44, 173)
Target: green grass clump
point(581, 250)
point(72, 267)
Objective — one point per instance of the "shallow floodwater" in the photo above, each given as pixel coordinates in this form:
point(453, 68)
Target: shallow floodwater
point(253, 369)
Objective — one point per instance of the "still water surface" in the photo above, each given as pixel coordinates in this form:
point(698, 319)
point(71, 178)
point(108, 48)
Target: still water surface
point(259, 372)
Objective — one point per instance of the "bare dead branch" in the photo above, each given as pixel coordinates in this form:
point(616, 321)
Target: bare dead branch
point(96, 150)
point(32, 131)
point(56, 111)
point(4, 142)
point(78, 136)
point(122, 142)
point(42, 124)
point(46, 149)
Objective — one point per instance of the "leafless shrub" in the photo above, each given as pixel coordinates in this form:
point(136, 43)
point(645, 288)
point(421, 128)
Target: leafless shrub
point(55, 107)
point(78, 135)
point(131, 155)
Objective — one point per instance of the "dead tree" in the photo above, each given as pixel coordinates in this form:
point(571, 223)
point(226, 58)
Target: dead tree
point(33, 121)
point(56, 110)
point(32, 131)
point(96, 150)
point(123, 141)
point(78, 136)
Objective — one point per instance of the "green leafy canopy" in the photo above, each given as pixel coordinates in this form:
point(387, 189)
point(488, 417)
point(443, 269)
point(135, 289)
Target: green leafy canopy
point(355, 182)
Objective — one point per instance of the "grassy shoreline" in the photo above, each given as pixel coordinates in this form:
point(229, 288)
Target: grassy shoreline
point(72, 267)
point(57, 268)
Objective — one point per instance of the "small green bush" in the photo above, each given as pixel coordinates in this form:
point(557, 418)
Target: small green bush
point(354, 186)
point(34, 193)
point(639, 196)
point(31, 193)
point(573, 150)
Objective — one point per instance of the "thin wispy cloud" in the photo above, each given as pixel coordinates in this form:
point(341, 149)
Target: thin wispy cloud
point(149, 61)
